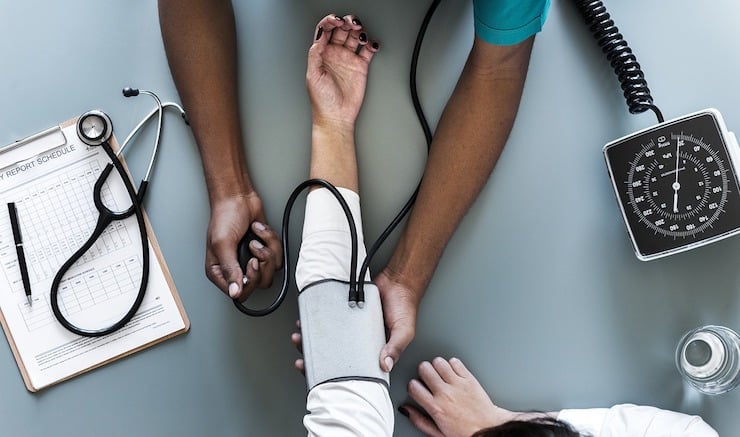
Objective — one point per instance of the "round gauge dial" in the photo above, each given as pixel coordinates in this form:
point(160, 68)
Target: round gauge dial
point(677, 185)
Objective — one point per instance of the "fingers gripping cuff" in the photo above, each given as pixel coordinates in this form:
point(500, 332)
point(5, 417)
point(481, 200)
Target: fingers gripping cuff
point(341, 342)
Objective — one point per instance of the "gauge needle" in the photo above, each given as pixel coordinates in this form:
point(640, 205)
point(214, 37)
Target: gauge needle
point(676, 186)
point(671, 172)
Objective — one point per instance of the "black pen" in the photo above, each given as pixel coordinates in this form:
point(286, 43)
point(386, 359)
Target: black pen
point(18, 238)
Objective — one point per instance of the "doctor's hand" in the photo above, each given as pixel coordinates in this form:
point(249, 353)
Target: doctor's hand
point(337, 68)
point(450, 402)
point(230, 219)
point(400, 305)
point(297, 341)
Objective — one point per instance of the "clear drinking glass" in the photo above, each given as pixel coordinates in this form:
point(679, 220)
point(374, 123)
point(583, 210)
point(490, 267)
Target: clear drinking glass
point(708, 358)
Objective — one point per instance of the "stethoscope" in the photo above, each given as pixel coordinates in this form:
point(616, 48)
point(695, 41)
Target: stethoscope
point(95, 129)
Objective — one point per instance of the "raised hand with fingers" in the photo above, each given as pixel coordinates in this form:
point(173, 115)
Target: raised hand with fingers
point(337, 70)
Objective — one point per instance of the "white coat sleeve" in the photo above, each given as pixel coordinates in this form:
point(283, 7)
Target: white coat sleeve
point(629, 420)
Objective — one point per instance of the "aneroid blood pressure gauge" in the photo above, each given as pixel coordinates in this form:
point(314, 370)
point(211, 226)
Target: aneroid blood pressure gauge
point(676, 184)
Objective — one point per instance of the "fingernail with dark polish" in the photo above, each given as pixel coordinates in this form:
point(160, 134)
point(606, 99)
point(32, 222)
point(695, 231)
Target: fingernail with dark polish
point(403, 411)
point(363, 37)
point(376, 46)
point(338, 18)
point(319, 33)
point(356, 22)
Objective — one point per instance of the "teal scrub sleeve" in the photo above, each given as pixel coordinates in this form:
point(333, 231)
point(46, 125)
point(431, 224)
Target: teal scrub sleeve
point(509, 22)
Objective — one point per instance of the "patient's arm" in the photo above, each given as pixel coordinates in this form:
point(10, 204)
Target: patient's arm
point(336, 76)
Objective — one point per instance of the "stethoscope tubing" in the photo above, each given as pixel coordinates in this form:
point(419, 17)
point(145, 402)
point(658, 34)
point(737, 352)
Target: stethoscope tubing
point(105, 217)
point(146, 119)
point(353, 297)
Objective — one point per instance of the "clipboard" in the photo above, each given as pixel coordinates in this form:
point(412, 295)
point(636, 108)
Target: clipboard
point(50, 177)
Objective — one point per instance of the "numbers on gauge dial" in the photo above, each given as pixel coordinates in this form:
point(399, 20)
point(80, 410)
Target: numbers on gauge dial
point(677, 186)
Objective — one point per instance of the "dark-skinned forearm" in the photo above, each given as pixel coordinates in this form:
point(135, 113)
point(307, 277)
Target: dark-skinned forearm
point(468, 141)
point(200, 41)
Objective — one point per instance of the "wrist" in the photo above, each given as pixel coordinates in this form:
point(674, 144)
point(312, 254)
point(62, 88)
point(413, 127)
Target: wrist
point(227, 191)
point(412, 267)
point(224, 192)
point(413, 287)
point(223, 196)
point(503, 415)
point(224, 168)
point(332, 135)
point(333, 156)
point(333, 126)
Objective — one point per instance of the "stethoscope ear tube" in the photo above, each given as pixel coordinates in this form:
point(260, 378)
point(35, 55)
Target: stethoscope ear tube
point(104, 219)
point(354, 296)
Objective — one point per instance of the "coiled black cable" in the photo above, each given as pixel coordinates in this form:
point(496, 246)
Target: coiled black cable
point(619, 54)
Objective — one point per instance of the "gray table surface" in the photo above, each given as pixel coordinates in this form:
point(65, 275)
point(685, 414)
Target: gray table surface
point(539, 291)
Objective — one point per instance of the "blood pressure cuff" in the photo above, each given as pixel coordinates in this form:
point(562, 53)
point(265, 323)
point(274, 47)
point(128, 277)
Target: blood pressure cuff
point(340, 342)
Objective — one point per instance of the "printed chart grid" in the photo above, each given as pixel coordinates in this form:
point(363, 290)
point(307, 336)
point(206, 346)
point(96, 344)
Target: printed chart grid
point(58, 215)
point(83, 291)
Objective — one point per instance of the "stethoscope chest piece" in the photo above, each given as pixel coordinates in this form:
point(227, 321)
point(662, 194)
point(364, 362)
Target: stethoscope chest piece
point(94, 127)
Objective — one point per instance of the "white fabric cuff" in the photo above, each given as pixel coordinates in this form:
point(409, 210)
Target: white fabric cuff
point(327, 245)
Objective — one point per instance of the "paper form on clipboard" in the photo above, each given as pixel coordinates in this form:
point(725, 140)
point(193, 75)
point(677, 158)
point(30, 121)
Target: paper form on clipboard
point(50, 177)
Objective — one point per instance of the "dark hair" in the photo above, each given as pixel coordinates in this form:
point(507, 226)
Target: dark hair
point(539, 427)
